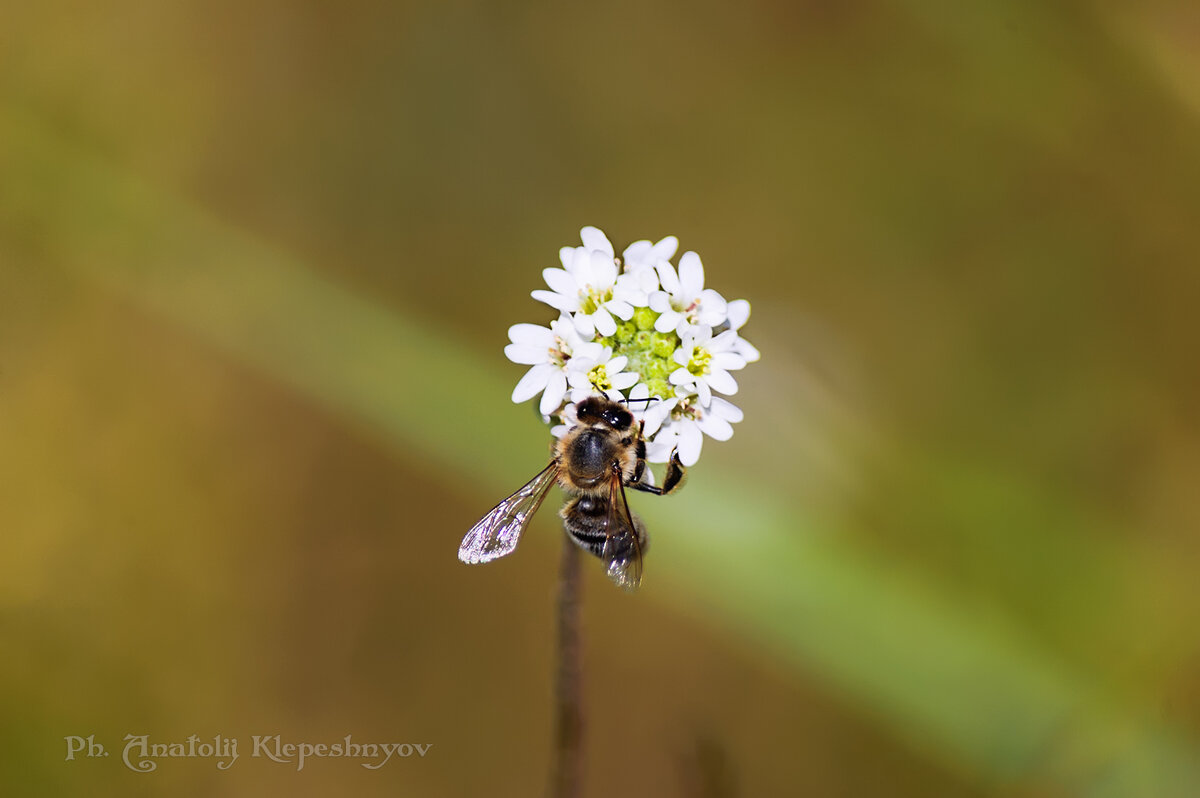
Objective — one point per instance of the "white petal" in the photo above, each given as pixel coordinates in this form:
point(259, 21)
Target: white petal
point(728, 361)
point(658, 451)
point(587, 355)
point(683, 327)
point(639, 392)
point(617, 364)
point(687, 341)
point(726, 410)
point(629, 293)
point(667, 276)
point(560, 281)
point(527, 355)
point(581, 267)
point(604, 322)
point(705, 392)
point(715, 427)
point(651, 426)
point(556, 301)
point(584, 325)
point(681, 376)
point(666, 247)
point(691, 275)
point(660, 302)
point(647, 280)
point(569, 416)
point(578, 378)
point(747, 350)
point(668, 321)
point(724, 342)
point(562, 326)
point(636, 252)
point(690, 442)
point(594, 238)
point(531, 335)
point(721, 380)
point(533, 383)
point(619, 308)
point(556, 389)
point(567, 256)
point(604, 270)
point(626, 379)
point(713, 307)
point(737, 312)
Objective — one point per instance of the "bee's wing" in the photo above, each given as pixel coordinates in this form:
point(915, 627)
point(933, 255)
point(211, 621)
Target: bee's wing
point(497, 533)
point(623, 543)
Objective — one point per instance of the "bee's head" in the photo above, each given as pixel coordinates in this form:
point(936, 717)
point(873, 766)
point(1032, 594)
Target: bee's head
point(601, 409)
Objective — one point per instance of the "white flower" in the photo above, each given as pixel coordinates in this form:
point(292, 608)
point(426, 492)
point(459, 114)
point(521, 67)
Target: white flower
point(738, 312)
point(684, 299)
point(593, 239)
point(649, 411)
point(568, 419)
point(594, 370)
point(641, 259)
point(588, 290)
point(705, 363)
point(688, 354)
point(688, 425)
point(548, 351)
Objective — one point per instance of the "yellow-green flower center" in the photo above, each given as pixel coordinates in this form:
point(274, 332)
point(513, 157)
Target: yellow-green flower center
point(698, 365)
point(592, 299)
point(649, 352)
point(598, 377)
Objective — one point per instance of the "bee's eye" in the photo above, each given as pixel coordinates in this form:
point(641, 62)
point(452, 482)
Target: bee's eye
point(619, 418)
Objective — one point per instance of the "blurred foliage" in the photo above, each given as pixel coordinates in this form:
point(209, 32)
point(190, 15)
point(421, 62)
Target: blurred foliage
point(257, 263)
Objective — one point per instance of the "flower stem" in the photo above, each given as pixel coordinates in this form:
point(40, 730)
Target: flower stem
point(566, 767)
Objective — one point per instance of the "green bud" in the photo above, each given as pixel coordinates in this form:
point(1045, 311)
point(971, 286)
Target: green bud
point(644, 318)
point(657, 369)
point(660, 388)
point(637, 360)
point(625, 331)
point(663, 344)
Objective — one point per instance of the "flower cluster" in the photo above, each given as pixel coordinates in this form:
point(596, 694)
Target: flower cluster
point(636, 328)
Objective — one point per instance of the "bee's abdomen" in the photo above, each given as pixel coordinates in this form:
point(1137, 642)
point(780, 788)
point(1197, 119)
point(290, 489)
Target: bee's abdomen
point(586, 521)
point(584, 518)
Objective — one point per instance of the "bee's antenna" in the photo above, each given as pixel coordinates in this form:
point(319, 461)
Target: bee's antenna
point(647, 399)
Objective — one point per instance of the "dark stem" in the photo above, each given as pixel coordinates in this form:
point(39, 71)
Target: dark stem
point(567, 765)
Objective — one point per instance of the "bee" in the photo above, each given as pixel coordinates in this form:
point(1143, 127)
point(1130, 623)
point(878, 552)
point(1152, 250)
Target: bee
point(594, 462)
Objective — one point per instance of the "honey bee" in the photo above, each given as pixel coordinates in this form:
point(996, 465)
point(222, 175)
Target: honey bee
point(594, 462)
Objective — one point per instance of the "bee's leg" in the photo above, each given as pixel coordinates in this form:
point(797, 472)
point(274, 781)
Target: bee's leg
point(673, 481)
point(640, 469)
point(675, 474)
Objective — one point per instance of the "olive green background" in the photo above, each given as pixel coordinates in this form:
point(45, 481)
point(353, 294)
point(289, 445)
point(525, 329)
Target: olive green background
point(257, 260)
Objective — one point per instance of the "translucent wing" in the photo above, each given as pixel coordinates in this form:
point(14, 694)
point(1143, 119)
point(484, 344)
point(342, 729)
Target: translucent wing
point(625, 539)
point(497, 533)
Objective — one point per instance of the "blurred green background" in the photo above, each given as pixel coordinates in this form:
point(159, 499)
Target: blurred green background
point(257, 260)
